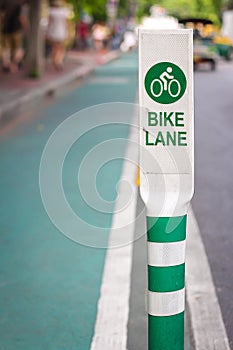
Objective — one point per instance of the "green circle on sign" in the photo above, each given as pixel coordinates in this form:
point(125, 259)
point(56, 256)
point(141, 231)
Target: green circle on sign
point(165, 83)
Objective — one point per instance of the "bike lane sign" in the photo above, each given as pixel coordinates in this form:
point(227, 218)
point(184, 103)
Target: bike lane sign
point(166, 115)
point(166, 161)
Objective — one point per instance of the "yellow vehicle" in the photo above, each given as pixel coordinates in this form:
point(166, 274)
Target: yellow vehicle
point(204, 50)
point(224, 46)
point(211, 36)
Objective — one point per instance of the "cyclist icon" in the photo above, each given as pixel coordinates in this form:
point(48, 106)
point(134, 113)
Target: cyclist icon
point(166, 82)
point(165, 76)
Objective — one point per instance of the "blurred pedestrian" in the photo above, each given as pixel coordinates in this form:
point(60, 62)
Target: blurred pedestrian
point(82, 31)
point(129, 41)
point(57, 32)
point(116, 38)
point(13, 24)
point(101, 36)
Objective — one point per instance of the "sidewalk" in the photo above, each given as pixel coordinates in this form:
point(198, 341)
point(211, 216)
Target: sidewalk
point(16, 89)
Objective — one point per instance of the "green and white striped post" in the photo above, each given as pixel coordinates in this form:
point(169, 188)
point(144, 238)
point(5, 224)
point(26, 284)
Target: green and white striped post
point(166, 176)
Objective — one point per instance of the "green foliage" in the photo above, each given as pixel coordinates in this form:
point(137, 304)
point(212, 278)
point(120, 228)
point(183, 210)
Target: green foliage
point(209, 9)
point(144, 7)
point(181, 8)
point(206, 9)
point(95, 8)
point(123, 8)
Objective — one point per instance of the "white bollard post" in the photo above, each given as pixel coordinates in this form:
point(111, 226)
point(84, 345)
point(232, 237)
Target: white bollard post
point(166, 175)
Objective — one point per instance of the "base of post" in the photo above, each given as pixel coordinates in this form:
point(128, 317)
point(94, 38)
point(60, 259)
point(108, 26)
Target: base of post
point(166, 333)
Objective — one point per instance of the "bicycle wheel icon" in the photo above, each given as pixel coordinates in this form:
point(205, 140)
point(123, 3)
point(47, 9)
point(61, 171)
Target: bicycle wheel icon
point(174, 85)
point(154, 87)
point(157, 88)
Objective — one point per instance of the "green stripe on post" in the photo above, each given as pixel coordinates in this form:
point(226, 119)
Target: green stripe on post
point(166, 333)
point(166, 229)
point(166, 279)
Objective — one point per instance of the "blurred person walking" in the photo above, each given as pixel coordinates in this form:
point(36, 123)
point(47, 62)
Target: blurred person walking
point(101, 36)
point(57, 32)
point(13, 24)
point(82, 33)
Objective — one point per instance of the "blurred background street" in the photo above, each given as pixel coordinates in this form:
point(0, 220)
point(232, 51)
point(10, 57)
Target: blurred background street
point(50, 285)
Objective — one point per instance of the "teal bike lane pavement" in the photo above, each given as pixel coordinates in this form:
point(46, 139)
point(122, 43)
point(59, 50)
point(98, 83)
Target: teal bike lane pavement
point(50, 285)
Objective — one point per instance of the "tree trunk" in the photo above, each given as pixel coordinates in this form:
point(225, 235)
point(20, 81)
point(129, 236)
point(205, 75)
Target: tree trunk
point(134, 5)
point(230, 5)
point(34, 47)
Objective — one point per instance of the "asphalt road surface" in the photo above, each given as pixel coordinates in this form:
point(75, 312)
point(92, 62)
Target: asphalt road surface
point(213, 200)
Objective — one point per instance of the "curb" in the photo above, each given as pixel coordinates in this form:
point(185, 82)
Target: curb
point(51, 87)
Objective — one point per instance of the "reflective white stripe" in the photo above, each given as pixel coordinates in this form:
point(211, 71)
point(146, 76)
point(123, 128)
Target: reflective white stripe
point(113, 306)
point(166, 304)
point(166, 254)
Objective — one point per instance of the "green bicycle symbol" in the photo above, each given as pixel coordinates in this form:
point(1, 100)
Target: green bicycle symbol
point(165, 83)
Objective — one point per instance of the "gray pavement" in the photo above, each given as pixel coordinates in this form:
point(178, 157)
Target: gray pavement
point(213, 200)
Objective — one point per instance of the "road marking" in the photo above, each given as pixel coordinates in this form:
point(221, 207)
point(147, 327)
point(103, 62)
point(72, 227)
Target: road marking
point(109, 80)
point(207, 324)
point(166, 303)
point(166, 254)
point(113, 306)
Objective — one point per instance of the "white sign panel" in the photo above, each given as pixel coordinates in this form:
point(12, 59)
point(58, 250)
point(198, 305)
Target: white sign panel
point(166, 117)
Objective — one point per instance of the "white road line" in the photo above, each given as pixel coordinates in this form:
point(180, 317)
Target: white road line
point(113, 306)
point(206, 318)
